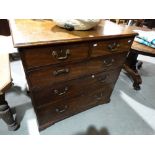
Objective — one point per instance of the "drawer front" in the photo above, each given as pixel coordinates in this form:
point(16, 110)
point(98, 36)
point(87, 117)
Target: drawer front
point(100, 48)
point(50, 75)
point(73, 88)
point(58, 111)
point(46, 55)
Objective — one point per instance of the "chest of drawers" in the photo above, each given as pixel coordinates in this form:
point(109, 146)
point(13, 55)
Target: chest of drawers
point(69, 71)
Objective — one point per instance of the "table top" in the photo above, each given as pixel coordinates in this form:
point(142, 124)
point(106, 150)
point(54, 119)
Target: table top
point(30, 32)
point(143, 49)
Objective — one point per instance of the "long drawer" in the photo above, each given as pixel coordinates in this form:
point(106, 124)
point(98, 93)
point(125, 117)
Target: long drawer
point(55, 74)
point(59, 92)
point(47, 55)
point(61, 110)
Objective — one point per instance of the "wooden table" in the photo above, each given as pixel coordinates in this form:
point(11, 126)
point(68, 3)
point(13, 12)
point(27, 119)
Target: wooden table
point(5, 84)
point(132, 64)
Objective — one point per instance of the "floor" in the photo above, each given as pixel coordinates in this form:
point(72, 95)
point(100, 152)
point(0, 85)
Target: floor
point(130, 112)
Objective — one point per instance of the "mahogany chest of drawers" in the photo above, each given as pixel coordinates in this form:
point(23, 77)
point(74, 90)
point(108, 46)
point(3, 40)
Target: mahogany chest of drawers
point(69, 71)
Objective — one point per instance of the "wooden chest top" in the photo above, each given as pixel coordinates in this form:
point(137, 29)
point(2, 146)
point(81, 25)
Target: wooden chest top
point(29, 32)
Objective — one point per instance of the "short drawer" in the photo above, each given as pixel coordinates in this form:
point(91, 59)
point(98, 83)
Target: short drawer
point(61, 110)
point(100, 48)
point(47, 55)
point(59, 92)
point(55, 74)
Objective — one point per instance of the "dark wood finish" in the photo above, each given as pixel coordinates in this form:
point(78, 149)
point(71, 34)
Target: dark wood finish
point(60, 110)
point(4, 27)
point(132, 64)
point(80, 74)
point(131, 68)
point(6, 114)
point(150, 23)
point(55, 74)
point(73, 88)
point(47, 55)
point(100, 48)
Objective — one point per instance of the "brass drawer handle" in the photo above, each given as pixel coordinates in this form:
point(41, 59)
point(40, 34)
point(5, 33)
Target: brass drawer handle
point(61, 71)
point(103, 79)
point(108, 63)
point(61, 55)
point(58, 110)
point(61, 93)
point(113, 46)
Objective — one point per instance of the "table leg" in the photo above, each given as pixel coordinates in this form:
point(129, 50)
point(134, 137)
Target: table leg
point(139, 64)
point(130, 67)
point(6, 114)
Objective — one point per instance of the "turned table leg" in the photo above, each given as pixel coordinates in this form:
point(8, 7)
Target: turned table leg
point(6, 115)
point(130, 67)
